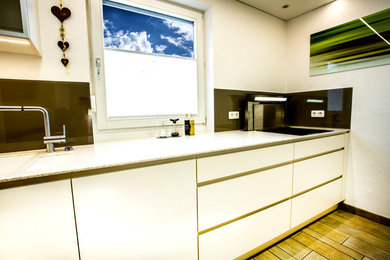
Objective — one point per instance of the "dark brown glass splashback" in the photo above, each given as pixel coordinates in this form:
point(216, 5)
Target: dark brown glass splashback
point(337, 104)
point(230, 100)
point(67, 103)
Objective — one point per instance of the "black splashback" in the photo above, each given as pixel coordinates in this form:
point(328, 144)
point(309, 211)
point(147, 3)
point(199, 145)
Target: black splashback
point(67, 103)
point(231, 100)
point(337, 104)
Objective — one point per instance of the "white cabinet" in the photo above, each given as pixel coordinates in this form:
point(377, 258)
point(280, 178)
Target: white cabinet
point(318, 146)
point(318, 170)
point(19, 27)
point(237, 238)
point(240, 209)
point(143, 213)
point(37, 222)
point(314, 202)
point(235, 203)
point(230, 203)
point(220, 166)
point(226, 200)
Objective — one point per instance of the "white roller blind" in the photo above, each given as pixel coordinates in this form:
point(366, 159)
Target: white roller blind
point(149, 85)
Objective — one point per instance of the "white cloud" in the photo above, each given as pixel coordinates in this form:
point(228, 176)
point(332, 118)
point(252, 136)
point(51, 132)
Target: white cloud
point(133, 41)
point(178, 42)
point(160, 48)
point(186, 30)
point(175, 41)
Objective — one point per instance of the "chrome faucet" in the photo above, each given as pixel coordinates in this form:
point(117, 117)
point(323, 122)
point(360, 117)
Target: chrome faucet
point(48, 139)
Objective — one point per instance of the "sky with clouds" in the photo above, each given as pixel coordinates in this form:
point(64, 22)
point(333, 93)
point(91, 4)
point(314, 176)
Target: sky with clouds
point(124, 29)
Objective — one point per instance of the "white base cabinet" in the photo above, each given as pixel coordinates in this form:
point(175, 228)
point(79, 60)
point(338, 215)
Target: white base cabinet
point(226, 200)
point(312, 172)
point(37, 222)
point(144, 213)
point(306, 176)
point(221, 166)
point(235, 239)
point(241, 200)
point(314, 202)
point(319, 145)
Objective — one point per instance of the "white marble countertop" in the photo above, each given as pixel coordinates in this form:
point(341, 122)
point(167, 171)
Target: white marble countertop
point(19, 166)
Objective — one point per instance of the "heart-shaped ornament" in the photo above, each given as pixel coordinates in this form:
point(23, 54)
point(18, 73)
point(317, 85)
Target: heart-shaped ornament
point(63, 45)
point(65, 62)
point(61, 14)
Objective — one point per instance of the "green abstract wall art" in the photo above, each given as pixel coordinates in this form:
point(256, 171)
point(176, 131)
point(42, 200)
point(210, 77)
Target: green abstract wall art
point(361, 43)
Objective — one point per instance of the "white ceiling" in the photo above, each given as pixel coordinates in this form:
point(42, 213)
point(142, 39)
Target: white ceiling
point(295, 7)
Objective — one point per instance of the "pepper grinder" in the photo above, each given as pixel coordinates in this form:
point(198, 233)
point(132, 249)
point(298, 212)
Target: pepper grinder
point(175, 132)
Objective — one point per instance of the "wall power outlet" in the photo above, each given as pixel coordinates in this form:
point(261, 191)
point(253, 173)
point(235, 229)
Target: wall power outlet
point(234, 115)
point(318, 113)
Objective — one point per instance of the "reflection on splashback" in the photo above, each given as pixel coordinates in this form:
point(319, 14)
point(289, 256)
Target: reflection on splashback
point(337, 104)
point(230, 100)
point(66, 102)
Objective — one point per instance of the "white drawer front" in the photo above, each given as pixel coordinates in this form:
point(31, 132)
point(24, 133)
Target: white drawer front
point(314, 202)
point(219, 166)
point(226, 200)
point(318, 170)
point(317, 146)
point(237, 238)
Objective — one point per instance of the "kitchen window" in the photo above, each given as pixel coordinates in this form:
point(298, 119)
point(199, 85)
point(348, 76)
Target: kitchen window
point(149, 63)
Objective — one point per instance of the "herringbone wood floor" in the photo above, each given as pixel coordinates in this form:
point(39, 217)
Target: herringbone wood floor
point(339, 235)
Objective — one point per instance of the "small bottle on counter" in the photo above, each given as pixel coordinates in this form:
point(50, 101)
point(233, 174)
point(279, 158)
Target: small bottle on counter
point(192, 126)
point(187, 126)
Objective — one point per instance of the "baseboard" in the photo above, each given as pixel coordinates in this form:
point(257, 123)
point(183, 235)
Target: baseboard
point(364, 213)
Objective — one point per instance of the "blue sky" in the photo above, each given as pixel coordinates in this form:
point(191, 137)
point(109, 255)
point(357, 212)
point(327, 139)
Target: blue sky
point(130, 30)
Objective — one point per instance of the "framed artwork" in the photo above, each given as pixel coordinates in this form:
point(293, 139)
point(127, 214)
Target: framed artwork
point(361, 43)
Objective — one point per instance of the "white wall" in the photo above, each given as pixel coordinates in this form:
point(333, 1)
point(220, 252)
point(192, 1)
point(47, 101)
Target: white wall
point(249, 47)
point(368, 176)
point(49, 66)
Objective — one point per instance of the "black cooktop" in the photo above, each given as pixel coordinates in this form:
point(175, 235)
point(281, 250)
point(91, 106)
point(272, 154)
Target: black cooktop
point(295, 131)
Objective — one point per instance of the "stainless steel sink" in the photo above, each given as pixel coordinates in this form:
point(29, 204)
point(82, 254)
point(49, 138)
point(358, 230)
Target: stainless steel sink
point(295, 131)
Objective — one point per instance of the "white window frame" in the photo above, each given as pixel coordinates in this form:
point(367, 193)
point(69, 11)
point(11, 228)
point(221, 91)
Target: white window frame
point(98, 79)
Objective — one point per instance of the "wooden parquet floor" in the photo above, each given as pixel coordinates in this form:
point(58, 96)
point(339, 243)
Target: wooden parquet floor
point(338, 235)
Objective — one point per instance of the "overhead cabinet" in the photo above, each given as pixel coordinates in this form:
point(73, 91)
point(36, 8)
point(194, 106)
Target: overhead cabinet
point(19, 27)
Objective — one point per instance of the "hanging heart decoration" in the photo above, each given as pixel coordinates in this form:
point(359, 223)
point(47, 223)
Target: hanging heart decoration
point(63, 45)
point(65, 62)
point(62, 13)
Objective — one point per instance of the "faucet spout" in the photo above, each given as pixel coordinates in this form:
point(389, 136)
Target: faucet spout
point(46, 118)
point(49, 140)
